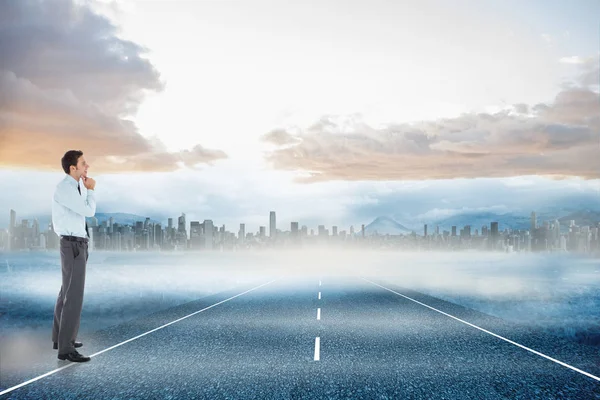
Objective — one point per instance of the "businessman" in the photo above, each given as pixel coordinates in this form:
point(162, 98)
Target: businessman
point(69, 209)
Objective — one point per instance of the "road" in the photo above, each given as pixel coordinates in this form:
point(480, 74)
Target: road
point(319, 337)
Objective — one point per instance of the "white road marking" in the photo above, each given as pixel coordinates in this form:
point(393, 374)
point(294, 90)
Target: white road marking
point(491, 333)
point(317, 348)
point(319, 295)
point(318, 313)
point(129, 340)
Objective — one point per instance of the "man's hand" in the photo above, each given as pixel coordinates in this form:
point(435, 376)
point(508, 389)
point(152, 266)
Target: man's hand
point(89, 183)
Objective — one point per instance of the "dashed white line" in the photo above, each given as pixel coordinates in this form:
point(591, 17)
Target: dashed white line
point(319, 295)
point(317, 348)
point(129, 340)
point(318, 313)
point(491, 333)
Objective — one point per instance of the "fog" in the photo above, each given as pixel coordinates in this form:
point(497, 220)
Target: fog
point(559, 293)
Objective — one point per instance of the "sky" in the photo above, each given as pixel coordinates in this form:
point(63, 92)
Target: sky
point(328, 112)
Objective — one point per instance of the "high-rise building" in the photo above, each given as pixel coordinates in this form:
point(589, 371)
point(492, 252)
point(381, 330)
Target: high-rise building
point(294, 229)
point(12, 230)
point(454, 231)
point(533, 225)
point(262, 231)
point(196, 235)
point(335, 231)
point(208, 234)
point(242, 233)
point(493, 235)
point(181, 225)
point(272, 225)
point(425, 231)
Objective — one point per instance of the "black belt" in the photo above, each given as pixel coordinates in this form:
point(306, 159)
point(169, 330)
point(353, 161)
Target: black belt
point(74, 238)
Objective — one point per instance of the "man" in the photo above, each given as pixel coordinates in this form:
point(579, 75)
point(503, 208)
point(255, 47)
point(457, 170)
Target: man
point(69, 209)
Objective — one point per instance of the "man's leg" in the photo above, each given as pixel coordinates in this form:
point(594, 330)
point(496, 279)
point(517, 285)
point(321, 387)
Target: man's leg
point(57, 311)
point(84, 257)
point(66, 261)
point(73, 283)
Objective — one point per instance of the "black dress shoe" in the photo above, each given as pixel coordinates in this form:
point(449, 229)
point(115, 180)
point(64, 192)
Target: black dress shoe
point(73, 356)
point(75, 344)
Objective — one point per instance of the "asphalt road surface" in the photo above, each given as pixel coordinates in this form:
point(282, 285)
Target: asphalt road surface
point(311, 338)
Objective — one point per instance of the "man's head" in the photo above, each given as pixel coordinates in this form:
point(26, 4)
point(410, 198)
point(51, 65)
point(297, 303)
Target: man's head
point(74, 164)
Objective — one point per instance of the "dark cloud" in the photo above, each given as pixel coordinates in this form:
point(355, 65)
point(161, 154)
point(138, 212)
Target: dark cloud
point(557, 139)
point(67, 81)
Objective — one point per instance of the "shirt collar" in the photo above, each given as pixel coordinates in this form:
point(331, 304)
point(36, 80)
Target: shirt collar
point(71, 181)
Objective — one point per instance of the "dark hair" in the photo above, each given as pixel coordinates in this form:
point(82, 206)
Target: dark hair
point(70, 158)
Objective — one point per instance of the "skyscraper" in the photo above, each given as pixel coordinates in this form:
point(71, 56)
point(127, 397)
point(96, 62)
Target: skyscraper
point(272, 225)
point(208, 234)
point(533, 222)
point(425, 230)
point(493, 235)
point(242, 233)
point(181, 225)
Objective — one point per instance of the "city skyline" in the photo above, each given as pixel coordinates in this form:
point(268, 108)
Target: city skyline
point(110, 234)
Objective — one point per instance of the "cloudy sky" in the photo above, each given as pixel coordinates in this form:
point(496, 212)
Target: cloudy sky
point(326, 111)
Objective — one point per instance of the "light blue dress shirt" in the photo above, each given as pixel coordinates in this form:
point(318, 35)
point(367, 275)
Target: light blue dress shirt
point(69, 208)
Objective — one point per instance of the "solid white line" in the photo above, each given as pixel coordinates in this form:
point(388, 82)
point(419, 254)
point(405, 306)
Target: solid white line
point(129, 340)
point(319, 295)
point(492, 333)
point(318, 313)
point(317, 348)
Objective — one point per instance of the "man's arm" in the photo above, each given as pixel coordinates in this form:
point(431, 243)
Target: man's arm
point(76, 203)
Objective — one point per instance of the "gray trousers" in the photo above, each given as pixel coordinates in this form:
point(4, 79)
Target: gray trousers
point(67, 312)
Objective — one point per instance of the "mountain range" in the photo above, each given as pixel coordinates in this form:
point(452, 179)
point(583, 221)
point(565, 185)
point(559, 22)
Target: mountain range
point(387, 225)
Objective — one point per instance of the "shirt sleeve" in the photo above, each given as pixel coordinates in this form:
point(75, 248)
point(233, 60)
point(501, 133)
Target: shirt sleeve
point(75, 202)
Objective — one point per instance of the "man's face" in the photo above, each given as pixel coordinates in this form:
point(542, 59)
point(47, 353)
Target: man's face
point(82, 168)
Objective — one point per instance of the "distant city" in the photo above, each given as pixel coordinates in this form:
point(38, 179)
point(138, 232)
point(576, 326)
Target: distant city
point(145, 235)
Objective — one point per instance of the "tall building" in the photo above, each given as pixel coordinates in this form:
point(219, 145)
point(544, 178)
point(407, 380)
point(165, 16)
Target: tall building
point(493, 235)
point(195, 234)
point(425, 230)
point(454, 231)
point(242, 233)
point(294, 229)
point(181, 225)
point(12, 230)
point(533, 226)
point(208, 234)
point(262, 231)
point(335, 231)
point(272, 225)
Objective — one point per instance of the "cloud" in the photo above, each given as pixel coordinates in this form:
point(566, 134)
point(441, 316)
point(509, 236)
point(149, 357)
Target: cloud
point(279, 137)
point(572, 60)
point(558, 139)
point(67, 81)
